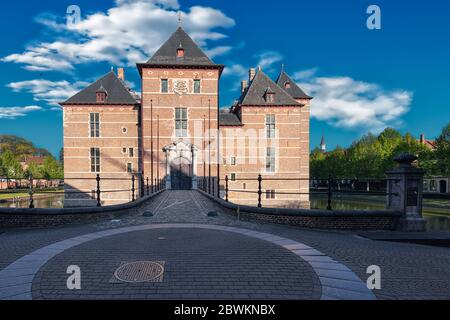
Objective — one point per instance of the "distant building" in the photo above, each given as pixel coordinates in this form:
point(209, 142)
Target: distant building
point(323, 146)
point(430, 144)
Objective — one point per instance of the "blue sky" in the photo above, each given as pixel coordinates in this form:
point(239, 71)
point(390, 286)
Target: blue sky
point(363, 80)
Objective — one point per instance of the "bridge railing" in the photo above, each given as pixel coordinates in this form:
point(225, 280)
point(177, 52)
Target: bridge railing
point(138, 187)
point(329, 187)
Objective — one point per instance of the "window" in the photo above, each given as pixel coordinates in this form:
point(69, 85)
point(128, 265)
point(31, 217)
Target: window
point(233, 161)
point(244, 186)
point(270, 126)
point(131, 152)
point(129, 167)
point(197, 87)
point(124, 150)
point(270, 160)
point(425, 185)
point(233, 177)
point(270, 194)
point(124, 130)
point(101, 97)
point(95, 160)
point(181, 122)
point(164, 85)
point(287, 85)
point(95, 125)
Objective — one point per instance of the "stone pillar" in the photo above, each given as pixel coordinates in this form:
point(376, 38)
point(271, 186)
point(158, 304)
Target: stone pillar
point(194, 168)
point(405, 188)
point(168, 177)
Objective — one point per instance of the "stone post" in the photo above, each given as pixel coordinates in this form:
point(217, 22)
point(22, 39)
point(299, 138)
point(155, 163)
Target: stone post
point(405, 193)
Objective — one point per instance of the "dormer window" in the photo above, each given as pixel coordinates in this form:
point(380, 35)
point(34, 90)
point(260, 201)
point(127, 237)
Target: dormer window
point(269, 96)
point(180, 52)
point(287, 85)
point(101, 95)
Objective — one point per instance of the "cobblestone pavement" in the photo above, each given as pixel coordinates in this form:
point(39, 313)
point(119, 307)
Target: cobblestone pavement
point(206, 263)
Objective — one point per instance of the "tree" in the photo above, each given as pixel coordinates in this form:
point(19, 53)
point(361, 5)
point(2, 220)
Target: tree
point(11, 166)
point(442, 153)
point(52, 169)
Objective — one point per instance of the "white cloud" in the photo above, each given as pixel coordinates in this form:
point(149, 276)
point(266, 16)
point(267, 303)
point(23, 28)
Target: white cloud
point(117, 38)
point(235, 70)
point(350, 104)
point(50, 92)
point(268, 58)
point(12, 113)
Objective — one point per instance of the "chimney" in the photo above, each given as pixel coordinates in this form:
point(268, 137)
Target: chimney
point(121, 74)
point(251, 74)
point(422, 139)
point(244, 85)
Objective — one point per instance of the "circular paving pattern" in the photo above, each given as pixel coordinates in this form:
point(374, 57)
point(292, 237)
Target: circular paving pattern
point(200, 262)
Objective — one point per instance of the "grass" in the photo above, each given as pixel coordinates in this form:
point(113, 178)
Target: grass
point(13, 195)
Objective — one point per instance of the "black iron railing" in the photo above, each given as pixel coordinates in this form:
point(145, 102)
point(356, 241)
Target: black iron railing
point(329, 187)
point(33, 187)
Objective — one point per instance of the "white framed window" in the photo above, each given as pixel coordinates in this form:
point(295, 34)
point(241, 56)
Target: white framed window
point(94, 124)
point(164, 85)
point(131, 152)
point(270, 126)
point(124, 130)
point(124, 150)
point(129, 167)
point(233, 176)
point(270, 160)
point(181, 122)
point(95, 160)
point(197, 86)
point(270, 194)
point(233, 161)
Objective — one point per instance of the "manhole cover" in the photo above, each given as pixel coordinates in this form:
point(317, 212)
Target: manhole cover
point(141, 271)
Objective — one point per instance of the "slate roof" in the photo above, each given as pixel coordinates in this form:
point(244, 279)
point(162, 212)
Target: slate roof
point(229, 119)
point(294, 91)
point(117, 92)
point(167, 54)
point(255, 93)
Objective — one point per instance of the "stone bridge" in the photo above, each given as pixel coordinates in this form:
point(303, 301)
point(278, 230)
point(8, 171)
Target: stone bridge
point(181, 251)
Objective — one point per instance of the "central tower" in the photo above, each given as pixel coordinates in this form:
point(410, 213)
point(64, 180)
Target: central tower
point(179, 114)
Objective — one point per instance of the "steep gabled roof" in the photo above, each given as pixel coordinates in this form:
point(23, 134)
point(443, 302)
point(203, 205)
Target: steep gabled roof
point(254, 95)
point(167, 54)
point(294, 91)
point(117, 92)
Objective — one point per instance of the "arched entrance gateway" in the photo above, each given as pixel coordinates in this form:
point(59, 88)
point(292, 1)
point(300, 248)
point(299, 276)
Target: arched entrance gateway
point(181, 172)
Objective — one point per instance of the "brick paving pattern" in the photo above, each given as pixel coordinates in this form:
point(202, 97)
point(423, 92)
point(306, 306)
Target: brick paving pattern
point(408, 271)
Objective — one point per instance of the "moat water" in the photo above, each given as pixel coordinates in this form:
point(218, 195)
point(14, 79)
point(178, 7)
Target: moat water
point(436, 212)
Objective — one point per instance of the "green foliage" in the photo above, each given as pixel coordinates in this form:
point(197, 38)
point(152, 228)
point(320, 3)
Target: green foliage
point(371, 156)
point(11, 167)
point(14, 150)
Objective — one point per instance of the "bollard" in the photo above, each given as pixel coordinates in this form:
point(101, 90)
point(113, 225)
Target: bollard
point(330, 192)
point(148, 188)
point(133, 189)
point(260, 179)
point(31, 206)
point(226, 189)
point(99, 203)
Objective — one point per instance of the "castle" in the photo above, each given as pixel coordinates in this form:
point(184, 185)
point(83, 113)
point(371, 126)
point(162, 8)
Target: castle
point(175, 132)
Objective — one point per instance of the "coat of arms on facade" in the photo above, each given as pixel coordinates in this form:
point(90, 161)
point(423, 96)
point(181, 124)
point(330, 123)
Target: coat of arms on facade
point(180, 87)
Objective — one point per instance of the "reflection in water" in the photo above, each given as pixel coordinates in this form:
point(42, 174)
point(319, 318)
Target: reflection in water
point(52, 201)
point(435, 222)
